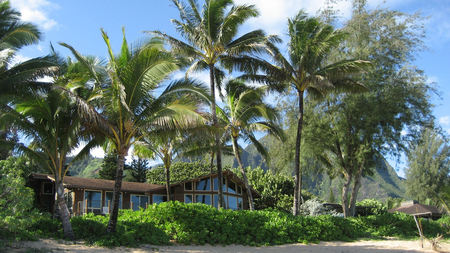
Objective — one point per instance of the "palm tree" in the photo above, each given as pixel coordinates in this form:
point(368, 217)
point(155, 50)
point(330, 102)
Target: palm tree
point(245, 112)
point(308, 69)
point(53, 124)
point(127, 105)
point(18, 80)
point(211, 39)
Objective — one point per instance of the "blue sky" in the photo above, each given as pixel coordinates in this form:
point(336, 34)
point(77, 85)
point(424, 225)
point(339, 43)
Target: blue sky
point(78, 23)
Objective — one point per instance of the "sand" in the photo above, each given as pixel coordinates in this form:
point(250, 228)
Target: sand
point(395, 246)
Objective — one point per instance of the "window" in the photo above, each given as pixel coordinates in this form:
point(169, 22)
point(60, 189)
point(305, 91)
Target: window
point(239, 190)
point(188, 198)
point(93, 199)
point(47, 188)
point(216, 200)
point(240, 204)
point(138, 201)
point(203, 198)
point(203, 185)
point(188, 186)
point(232, 187)
point(108, 200)
point(233, 202)
point(159, 198)
point(216, 185)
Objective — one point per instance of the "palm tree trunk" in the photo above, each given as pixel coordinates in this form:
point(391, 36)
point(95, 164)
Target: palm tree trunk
point(116, 193)
point(345, 189)
point(356, 186)
point(63, 210)
point(297, 170)
point(244, 175)
point(217, 137)
point(167, 172)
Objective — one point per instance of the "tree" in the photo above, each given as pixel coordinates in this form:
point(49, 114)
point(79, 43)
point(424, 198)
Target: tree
point(138, 170)
point(308, 69)
point(20, 80)
point(125, 106)
point(245, 112)
point(428, 175)
point(109, 166)
point(350, 130)
point(52, 123)
point(211, 35)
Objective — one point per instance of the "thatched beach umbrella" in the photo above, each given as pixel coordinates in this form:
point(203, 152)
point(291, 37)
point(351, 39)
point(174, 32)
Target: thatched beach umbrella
point(418, 210)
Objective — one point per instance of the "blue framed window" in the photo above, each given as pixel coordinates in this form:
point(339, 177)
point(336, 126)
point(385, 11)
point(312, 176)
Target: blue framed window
point(157, 198)
point(203, 185)
point(109, 197)
point(138, 201)
point(93, 199)
point(203, 198)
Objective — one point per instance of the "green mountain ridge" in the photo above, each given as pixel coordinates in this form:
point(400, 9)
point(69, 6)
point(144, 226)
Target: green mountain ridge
point(384, 182)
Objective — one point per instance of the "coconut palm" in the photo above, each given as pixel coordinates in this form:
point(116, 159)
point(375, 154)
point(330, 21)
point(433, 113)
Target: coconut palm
point(127, 106)
point(51, 121)
point(308, 69)
point(18, 80)
point(211, 39)
point(245, 112)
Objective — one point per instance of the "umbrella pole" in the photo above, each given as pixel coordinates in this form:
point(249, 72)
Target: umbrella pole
point(419, 227)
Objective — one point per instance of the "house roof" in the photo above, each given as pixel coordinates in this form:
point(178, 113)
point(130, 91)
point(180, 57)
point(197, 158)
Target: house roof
point(416, 209)
point(99, 184)
point(103, 184)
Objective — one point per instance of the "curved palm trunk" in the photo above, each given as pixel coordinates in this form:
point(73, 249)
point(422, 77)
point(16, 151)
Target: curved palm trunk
point(116, 193)
point(63, 210)
point(345, 189)
point(244, 175)
point(217, 137)
point(297, 170)
point(355, 190)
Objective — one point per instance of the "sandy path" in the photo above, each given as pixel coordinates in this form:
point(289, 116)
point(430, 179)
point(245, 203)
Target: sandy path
point(395, 246)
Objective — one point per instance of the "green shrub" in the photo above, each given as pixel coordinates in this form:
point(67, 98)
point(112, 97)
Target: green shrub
point(370, 207)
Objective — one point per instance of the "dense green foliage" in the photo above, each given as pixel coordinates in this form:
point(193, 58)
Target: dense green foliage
point(180, 171)
point(428, 175)
point(203, 224)
point(85, 167)
point(16, 200)
point(371, 207)
point(276, 191)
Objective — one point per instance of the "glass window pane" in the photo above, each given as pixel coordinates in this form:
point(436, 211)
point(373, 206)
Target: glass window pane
point(188, 186)
point(231, 186)
point(135, 202)
point(203, 198)
point(203, 185)
point(108, 199)
point(159, 198)
point(94, 199)
point(216, 185)
point(232, 202)
point(143, 200)
point(188, 198)
point(240, 204)
point(216, 200)
point(239, 190)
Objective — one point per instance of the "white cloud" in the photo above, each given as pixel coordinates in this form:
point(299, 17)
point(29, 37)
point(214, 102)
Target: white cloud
point(18, 58)
point(36, 11)
point(445, 120)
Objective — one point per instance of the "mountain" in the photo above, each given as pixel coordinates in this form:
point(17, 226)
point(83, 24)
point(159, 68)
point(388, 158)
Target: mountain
point(384, 182)
point(86, 167)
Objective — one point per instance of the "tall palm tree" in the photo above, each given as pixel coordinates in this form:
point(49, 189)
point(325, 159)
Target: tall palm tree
point(244, 113)
point(308, 68)
point(18, 80)
point(127, 106)
point(52, 122)
point(211, 39)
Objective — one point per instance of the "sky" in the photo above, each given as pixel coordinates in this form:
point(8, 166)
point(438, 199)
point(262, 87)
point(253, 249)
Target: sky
point(78, 23)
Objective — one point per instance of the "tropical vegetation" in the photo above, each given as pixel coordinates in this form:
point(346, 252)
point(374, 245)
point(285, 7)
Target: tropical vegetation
point(345, 98)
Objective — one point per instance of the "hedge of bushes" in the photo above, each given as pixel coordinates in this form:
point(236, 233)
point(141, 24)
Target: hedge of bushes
point(201, 224)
